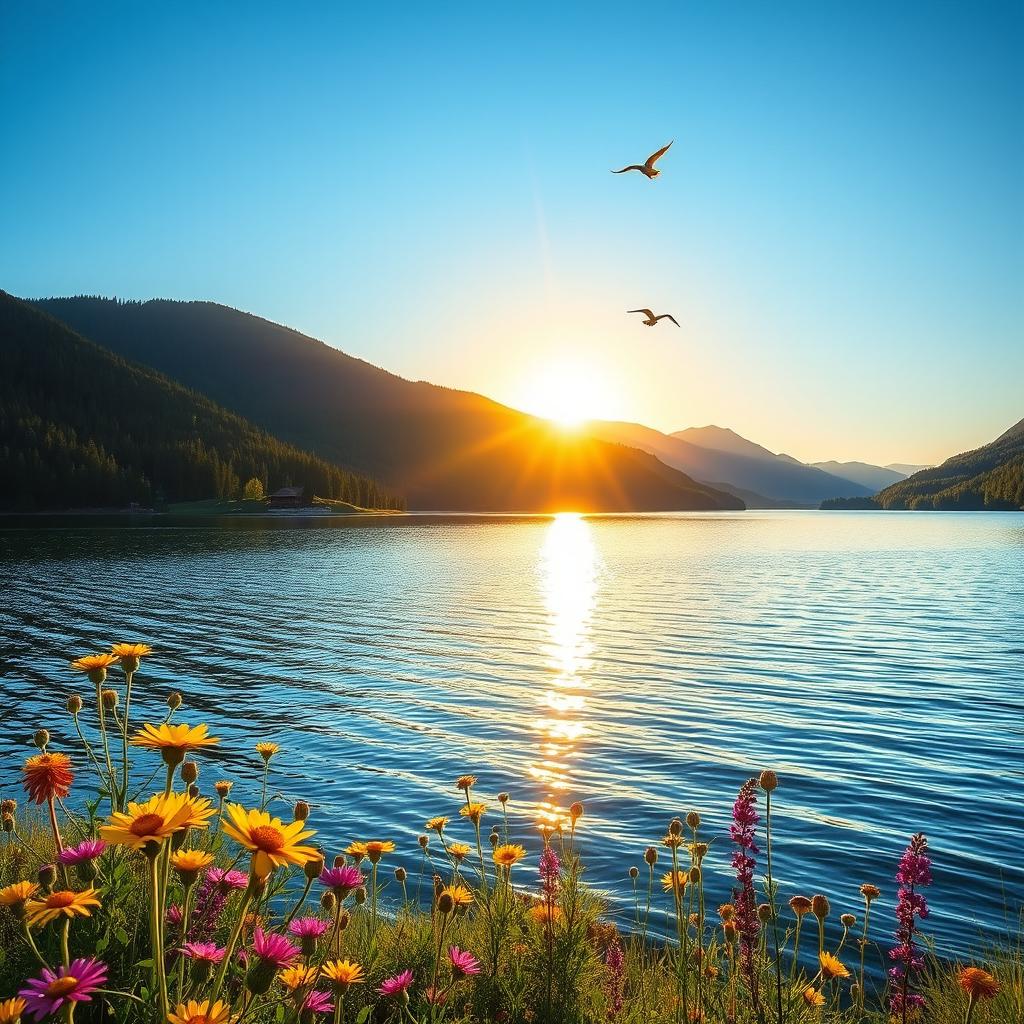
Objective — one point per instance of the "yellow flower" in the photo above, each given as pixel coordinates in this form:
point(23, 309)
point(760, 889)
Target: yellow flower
point(508, 854)
point(812, 997)
point(273, 843)
point(436, 824)
point(61, 903)
point(150, 822)
point(266, 749)
point(202, 1013)
point(832, 967)
point(200, 812)
point(297, 977)
point(17, 894)
point(461, 896)
point(674, 880)
point(541, 913)
point(95, 662)
point(671, 840)
point(376, 848)
point(11, 1010)
point(130, 655)
point(343, 973)
point(356, 850)
point(473, 811)
point(459, 850)
point(173, 741)
point(465, 782)
point(191, 861)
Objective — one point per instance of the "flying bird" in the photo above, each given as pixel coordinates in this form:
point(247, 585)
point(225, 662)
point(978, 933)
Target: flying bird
point(648, 168)
point(652, 319)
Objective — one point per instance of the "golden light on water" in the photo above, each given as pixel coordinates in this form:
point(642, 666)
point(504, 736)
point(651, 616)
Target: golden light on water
point(568, 570)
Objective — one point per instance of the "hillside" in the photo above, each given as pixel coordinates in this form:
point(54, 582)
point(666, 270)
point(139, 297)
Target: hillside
point(990, 477)
point(442, 449)
point(80, 426)
point(779, 480)
point(875, 477)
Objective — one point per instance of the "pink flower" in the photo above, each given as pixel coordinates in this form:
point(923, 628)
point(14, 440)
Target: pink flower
point(318, 1002)
point(273, 949)
point(308, 927)
point(226, 880)
point(74, 984)
point(463, 964)
point(89, 850)
point(397, 985)
point(342, 880)
point(173, 915)
point(210, 952)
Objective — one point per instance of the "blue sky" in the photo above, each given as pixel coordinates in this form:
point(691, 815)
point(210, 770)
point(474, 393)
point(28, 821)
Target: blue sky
point(839, 226)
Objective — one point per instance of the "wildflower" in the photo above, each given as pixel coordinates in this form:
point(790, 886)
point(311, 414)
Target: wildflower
point(698, 851)
point(832, 967)
point(317, 1002)
point(130, 655)
point(222, 788)
point(820, 906)
point(376, 848)
point(44, 996)
point(63, 903)
point(977, 983)
point(673, 840)
point(298, 976)
point(508, 854)
point(307, 930)
point(11, 1010)
point(914, 871)
point(474, 811)
point(550, 870)
point(341, 881)
point(615, 964)
point(870, 892)
point(768, 781)
point(74, 704)
point(465, 782)
point(357, 851)
point(800, 905)
point(144, 826)
point(226, 880)
point(206, 952)
point(459, 850)
point(95, 666)
point(436, 824)
point(273, 843)
point(813, 998)
point(726, 911)
point(174, 741)
point(205, 1012)
point(463, 964)
point(674, 881)
point(174, 915)
point(344, 973)
point(423, 840)
point(847, 920)
point(85, 851)
point(399, 984)
point(272, 953)
point(459, 894)
point(266, 749)
point(188, 864)
point(47, 777)
point(742, 830)
point(545, 914)
point(17, 895)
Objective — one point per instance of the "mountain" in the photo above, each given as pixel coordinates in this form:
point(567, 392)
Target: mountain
point(765, 480)
point(874, 477)
point(906, 469)
point(440, 448)
point(80, 426)
point(722, 439)
point(990, 477)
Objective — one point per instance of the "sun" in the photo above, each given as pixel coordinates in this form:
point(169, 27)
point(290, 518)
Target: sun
point(568, 391)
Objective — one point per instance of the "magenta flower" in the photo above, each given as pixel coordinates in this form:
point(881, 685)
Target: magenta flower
point(227, 880)
point(75, 984)
point(89, 850)
point(614, 963)
point(396, 986)
point(209, 952)
point(463, 964)
point(915, 869)
point(341, 881)
point(744, 833)
point(173, 915)
point(273, 949)
point(318, 1002)
point(308, 927)
point(549, 872)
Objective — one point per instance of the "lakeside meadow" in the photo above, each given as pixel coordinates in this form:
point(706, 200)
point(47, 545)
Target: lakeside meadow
point(134, 887)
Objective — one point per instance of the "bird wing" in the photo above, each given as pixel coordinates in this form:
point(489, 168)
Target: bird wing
point(668, 316)
point(631, 167)
point(649, 314)
point(655, 157)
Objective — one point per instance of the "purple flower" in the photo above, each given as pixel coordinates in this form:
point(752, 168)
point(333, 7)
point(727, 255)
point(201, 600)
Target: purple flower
point(549, 872)
point(44, 996)
point(209, 952)
point(915, 869)
point(342, 880)
point(311, 927)
point(89, 850)
point(397, 985)
point(318, 1002)
point(273, 949)
point(227, 880)
point(614, 963)
point(463, 964)
point(744, 834)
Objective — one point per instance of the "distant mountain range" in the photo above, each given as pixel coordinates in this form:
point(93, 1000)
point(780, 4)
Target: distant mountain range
point(439, 448)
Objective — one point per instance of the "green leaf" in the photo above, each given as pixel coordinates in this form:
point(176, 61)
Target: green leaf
point(121, 935)
point(363, 1015)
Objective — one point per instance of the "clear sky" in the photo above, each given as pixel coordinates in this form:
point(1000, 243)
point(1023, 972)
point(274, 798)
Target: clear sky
point(839, 227)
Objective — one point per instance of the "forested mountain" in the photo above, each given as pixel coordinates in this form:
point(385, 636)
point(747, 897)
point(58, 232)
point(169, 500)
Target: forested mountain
point(442, 449)
point(80, 426)
point(875, 477)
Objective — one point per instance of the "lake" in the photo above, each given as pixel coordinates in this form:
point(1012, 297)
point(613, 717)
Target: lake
point(645, 665)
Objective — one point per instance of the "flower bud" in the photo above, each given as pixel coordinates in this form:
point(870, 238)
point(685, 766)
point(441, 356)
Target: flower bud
point(729, 930)
point(194, 791)
point(870, 892)
point(189, 772)
point(328, 900)
point(764, 913)
point(424, 841)
point(400, 874)
point(7, 822)
point(74, 704)
point(86, 871)
point(695, 874)
point(41, 738)
point(200, 971)
point(675, 827)
point(47, 876)
point(576, 811)
point(493, 838)
point(343, 920)
point(360, 895)
point(768, 781)
point(174, 700)
point(503, 798)
point(260, 977)
point(300, 812)
point(313, 868)
point(109, 698)
point(847, 920)
point(633, 871)
point(445, 903)
point(820, 906)
point(8, 806)
point(651, 856)
point(438, 886)
point(693, 819)
point(222, 788)
point(339, 860)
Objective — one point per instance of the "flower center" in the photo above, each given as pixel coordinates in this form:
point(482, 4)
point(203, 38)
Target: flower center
point(62, 986)
point(146, 825)
point(199, 1018)
point(60, 899)
point(267, 838)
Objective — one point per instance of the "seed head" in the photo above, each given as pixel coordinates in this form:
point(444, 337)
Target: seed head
point(820, 906)
point(651, 855)
point(424, 841)
point(189, 772)
point(503, 798)
point(174, 700)
point(870, 892)
point(693, 819)
point(445, 903)
point(400, 874)
point(848, 920)
point(675, 827)
point(41, 738)
point(768, 781)
point(300, 812)
point(74, 704)
point(223, 787)
point(764, 913)
point(633, 871)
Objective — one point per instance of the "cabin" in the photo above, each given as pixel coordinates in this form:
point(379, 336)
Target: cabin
point(287, 497)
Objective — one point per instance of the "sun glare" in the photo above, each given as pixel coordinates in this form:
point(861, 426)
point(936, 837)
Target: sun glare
point(569, 392)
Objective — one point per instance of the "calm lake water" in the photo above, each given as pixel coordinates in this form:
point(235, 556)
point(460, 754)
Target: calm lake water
point(645, 665)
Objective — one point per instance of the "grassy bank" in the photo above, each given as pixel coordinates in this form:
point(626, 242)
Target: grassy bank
point(161, 899)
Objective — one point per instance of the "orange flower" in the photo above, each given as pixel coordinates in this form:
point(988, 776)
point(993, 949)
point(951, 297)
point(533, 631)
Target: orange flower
point(95, 666)
point(61, 903)
point(17, 895)
point(376, 848)
point(812, 997)
point(832, 967)
point(541, 913)
point(459, 850)
point(11, 1010)
point(173, 741)
point(508, 854)
point(675, 880)
point(130, 655)
point(473, 811)
point(978, 984)
point(47, 776)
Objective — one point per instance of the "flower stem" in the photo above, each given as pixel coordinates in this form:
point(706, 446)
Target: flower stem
point(156, 933)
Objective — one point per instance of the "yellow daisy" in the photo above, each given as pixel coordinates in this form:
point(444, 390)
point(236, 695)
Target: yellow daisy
point(832, 967)
point(266, 749)
point(297, 977)
point(200, 811)
point(11, 1010)
point(63, 903)
point(674, 880)
point(461, 896)
point(193, 1012)
point(343, 973)
point(376, 848)
point(150, 822)
point(474, 811)
point(273, 843)
point(188, 863)
point(98, 663)
point(812, 997)
point(356, 850)
point(130, 655)
point(508, 854)
point(436, 824)
point(17, 894)
point(173, 741)
point(459, 850)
